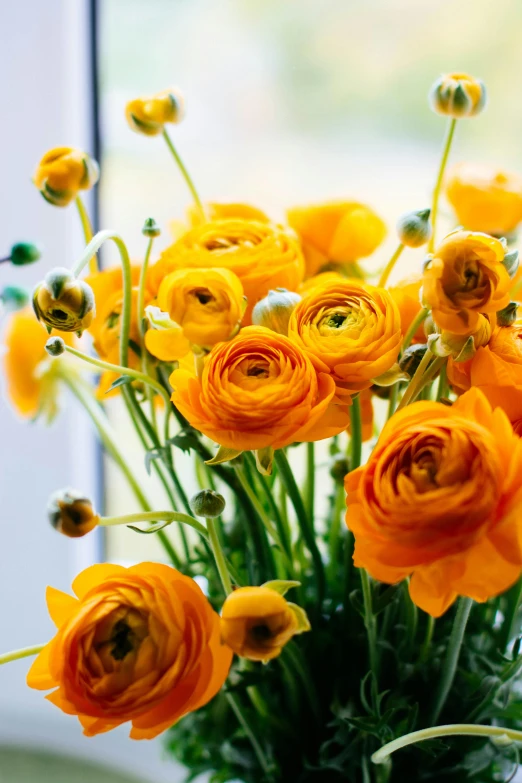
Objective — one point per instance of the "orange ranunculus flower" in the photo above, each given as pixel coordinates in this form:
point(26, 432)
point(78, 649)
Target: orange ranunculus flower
point(485, 198)
point(406, 295)
point(63, 172)
point(107, 287)
point(440, 499)
point(138, 644)
point(261, 255)
point(257, 622)
point(216, 211)
point(352, 329)
point(259, 390)
point(495, 369)
point(207, 304)
point(465, 277)
point(340, 232)
point(30, 371)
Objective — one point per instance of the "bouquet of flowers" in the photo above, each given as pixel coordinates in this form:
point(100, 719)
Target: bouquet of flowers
point(342, 612)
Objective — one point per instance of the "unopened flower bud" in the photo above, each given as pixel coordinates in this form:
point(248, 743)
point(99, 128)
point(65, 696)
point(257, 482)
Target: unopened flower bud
point(411, 358)
point(24, 253)
point(63, 172)
point(275, 309)
point(151, 228)
point(14, 298)
point(149, 115)
point(63, 302)
point(458, 95)
point(71, 513)
point(207, 504)
point(414, 228)
point(339, 467)
point(55, 346)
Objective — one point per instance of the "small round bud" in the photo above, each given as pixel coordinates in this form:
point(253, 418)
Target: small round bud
point(151, 228)
point(63, 302)
point(55, 346)
point(24, 253)
point(414, 228)
point(149, 115)
point(63, 172)
point(458, 95)
point(207, 504)
point(411, 358)
point(275, 309)
point(339, 467)
point(71, 513)
point(13, 297)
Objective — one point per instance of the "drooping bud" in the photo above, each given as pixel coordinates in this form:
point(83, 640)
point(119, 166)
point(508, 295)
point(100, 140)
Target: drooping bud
point(508, 315)
point(14, 298)
point(339, 467)
point(275, 309)
point(458, 95)
point(414, 228)
point(55, 346)
point(412, 357)
point(24, 253)
point(149, 115)
point(63, 302)
point(63, 172)
point(71, 513)
point(151, 228)
point(207, 503)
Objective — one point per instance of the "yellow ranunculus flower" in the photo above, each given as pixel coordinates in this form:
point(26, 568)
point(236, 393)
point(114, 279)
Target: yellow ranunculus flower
point(215, 211)
point(337, 233)
point(485, 198)
point(351, 329)
point(261, 255)
point(458, 95)
point(63, 302)
point(464, 278)
point(63, 172)
point(149, 115)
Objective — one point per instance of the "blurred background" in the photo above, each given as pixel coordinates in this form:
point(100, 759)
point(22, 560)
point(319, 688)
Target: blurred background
point(287, 103)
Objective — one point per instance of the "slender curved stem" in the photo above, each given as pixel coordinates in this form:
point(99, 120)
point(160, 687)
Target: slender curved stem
point(416, 382)
point(508, 626)
point(185, 174)
point(386, 272)
point(410, 332)
point(392, 403)
point(310, 481)
point(369, 621)
point(355, 433)
point(154, 516)
point(140, 315)
point(449, 667)
point(450, 730)
point(450, 131)
point(219, 556)
point(263, 516)
point(426, 644)
point(242, 720)
point(442, 388)
point(24, 652)
point(87, 231)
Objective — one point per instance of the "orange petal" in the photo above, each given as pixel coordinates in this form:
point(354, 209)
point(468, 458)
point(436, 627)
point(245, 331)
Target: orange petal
point(61, 606)
point(95, 575)
point(39, 677)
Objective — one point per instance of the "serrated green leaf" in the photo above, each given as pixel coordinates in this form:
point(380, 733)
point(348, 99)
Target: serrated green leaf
point(281, 586)
point(186, 439)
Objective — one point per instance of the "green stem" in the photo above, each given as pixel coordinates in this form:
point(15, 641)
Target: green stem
point(87, 232)
point(260, 511)
point(153, 516)
point(417, 381)
point(450, 730)
point(287, 477)
point(369, 621)
point(310, 482)
point(186, 175)
point(450, 130)
point(140, 314)
point(508, 626)
point(449, 667)
point(334, 536)
point(392, 403)
point(389, 266)
point(355, 433)
point(24, 652)
point(410, 332)
point(292, 652)
point(219, 556)
point(442, 389)
point(430, 628)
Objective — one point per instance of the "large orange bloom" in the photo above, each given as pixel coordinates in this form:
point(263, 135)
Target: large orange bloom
point(339, 232)
point(495, 369)
point(262, 256)
point(352, 329)
point(485, 198)
point(465, 278)
point(259, 390)
point(440, 499)
point(138, 644)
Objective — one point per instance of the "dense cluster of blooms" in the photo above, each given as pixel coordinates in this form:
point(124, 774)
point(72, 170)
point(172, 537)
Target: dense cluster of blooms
point(258, 336)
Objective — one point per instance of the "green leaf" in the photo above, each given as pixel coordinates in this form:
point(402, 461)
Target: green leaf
point(264, 460)
point(154, 529)
point(510, 263)
point(151, 455)
point(281, 586)
point(223, 455)
point(186, 439)
point(303, 623)
point(121, 381)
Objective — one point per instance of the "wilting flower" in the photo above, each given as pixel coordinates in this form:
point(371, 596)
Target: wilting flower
point(261, 255)
point(465, 277)
point(495, 369)
point(352, 330)
point(64, 302)
point(63, 172)
point(257, 622)
point(71, 513)
point(149, 115)
point(138, 644)
point(458, 95)
point(406, 295)
point(31, 377)
point(337, 233)
point(485, 198)
point(259, 390)
point(440, 500)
